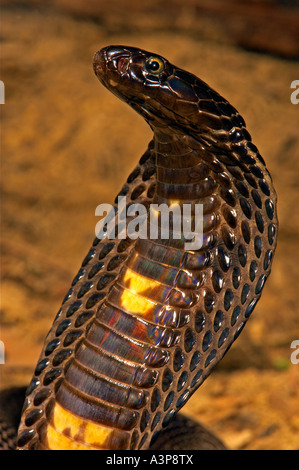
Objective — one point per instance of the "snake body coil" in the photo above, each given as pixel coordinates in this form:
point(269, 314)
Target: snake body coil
point(145, 320)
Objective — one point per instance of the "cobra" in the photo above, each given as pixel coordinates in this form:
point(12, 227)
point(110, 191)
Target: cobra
point(146, 321)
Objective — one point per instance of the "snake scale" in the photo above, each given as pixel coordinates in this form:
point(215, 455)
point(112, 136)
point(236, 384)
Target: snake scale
point(145, 320)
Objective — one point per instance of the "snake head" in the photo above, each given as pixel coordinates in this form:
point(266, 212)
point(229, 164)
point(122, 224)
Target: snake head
point(137, 77)
point(165, 95)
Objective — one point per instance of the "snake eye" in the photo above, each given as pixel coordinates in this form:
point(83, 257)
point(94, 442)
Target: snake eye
point(154, 65)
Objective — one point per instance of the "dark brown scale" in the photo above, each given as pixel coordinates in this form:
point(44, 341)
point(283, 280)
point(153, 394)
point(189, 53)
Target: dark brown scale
point(216, 166)
point(235, 172)
point(105, 280)
point(82, 318)
point(71, 337)
point(77, 278)
point(148, 173)
point(137, 192)
point(245, 231)
point(230, 216)
point(223, 179)
point(146, 320)
point(84, 289)
point(242, 188)
point(229, 196)
point(94, 299)
point(228, 237)
point(151, 190)
point(73, 308)
point(41, 396)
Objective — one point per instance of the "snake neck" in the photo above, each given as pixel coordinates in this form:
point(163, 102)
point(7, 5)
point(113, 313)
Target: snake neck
point(182, 175)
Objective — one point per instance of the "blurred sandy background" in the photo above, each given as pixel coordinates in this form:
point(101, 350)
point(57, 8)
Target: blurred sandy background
point(68, 145)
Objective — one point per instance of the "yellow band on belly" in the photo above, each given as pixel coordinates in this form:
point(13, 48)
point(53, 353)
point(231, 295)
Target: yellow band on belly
point(133, 300)
point(70, 432)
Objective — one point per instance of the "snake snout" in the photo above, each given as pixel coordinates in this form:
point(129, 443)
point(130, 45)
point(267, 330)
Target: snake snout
point(99, 62)
point(113, 59)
